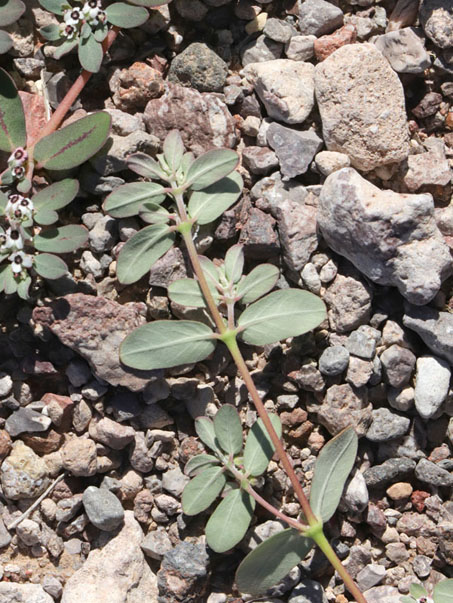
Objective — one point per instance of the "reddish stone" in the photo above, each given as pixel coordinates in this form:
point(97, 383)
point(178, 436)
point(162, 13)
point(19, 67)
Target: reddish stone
point(189, 447)
point(43, 444)
point(143, 503)
point(5, 444)
point(326, 45)
point(34, 365)
point(302, 432)
point(449, 120)
point(35, 114)
point(295, 417)
point(67, 407)
point(133, 87)
point(439, 454)
point(418, 500)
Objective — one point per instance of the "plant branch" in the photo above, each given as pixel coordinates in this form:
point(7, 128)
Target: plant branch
point(293, 523)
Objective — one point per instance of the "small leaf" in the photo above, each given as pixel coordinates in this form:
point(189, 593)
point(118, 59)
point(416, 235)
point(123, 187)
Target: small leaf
point(211, 167)
point(51, 32)
point(12, 118)
point(200, 462)
point(145, 166)
point(443, 591)
point(333, 465)
point(101, 32)
point(54, 6)
point(259, 448)
point(205, 431)
point(234, 263)
point(257, 283)
point(23, 287)
point(65, 47)
point(45, 217)
point(3, 203)
point(90, 53)
point(4, 270)
point(173, 150)
point(126, 200)
point(229, 522)
point(149, 3)
point(187, 160)
point(152, 213)
point(202, 490)
point(63, 239)
point(57, 195)
point(50, 266)
point(10, 283)
point(187, 292)
point(166, 343)
point(281, 314)
point(228, 429)
point(6, 42)
point(209, 270)
point(141, 251)
point(271, 561)
point(210, 203)
point(74, 144)
point(417, 590)
point(10, 11)
point(126, 16)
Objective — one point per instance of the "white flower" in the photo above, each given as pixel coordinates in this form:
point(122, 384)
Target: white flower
point(91, 10)
point(19, 260)
point(19, 208)
point(18, 157)
point(73, 16)
point(18, 172)
point(14, 240)
point(68, 31)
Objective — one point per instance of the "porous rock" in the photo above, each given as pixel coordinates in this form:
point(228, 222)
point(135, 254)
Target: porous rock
point(404, 50)
point(434, 327)
point(23, 593)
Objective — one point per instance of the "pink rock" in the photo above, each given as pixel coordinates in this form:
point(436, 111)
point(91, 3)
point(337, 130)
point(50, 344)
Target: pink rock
point(326, 45)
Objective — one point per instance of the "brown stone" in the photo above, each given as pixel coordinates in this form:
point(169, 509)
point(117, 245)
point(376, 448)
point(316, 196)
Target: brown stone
point(399, 491)
point(325, 45)
point(143, 503)
point(343, 406)
point(43, 444)
point(5, 444)
point(418, 500)
point(59, 409)
point(134, 87)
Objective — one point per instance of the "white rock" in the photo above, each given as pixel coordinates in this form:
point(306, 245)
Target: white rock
point(404, 50)
point(431, 385)
point(23, 593)
point(331, 161)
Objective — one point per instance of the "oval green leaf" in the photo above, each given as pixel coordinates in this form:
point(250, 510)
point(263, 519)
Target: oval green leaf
point(152, 213)
point(259, 448)
point(126, 16)
point(12, 118)
point(205, 431)
point(166, 343)
point(199, 463)
point(74, 144)
point(6, 42)
point(64, 47)
point(23, 287)
point(209, 204)
point(141, 251)
point(9, 282)
point(234, 263)
point(90, 53)
point(45, 217)
point(228, 429)
point(50, 266)
point(61, 240)
point(145, 166)
point(173, 150)
point(51, 32)
point(211, 167)
point(281, 314)
point(332, 468)
point(202, 490)
point(54, 6)
point(418, 590)
point(150, 3)
point(57, 195)
point(443, 591)
point(10, 11)
point(126, 200)
point(257, 283)
point(271, 561)
point(187, 292)
point(229, 522)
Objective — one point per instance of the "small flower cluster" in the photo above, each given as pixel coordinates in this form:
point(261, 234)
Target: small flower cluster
point(74, 18)
point(16, 163)
point(19, 215)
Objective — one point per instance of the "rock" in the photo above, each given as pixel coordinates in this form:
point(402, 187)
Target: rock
point(436, 18)
point(278, 30)
point(193, 11)
point(359, 371)
point(343, 406)
point(334, 360)
point(427, 173)
point(370, 575)
point(23, 473)
point(183, 573)
point(52, 586)
point(29, 532)
point(285, 87)
point(26, 420)
point(399, 492)
point(300, 48)
point(382, 594)
point(362, 342)
point(434, 327)
point(295, 150)
point(156, 544)
point(388, 472)
point(326, 45)
point(115, 573)
point(260, 50)
point(113, 159)
point(198, 67)
point(11, 592)
point(103, 508)
point(6, 385)
point(398, 364)
point(133, 87)
point(79, 457)
point(174, 481)
point(123, 123)
point(202, 118)
point(259, 160)
point(272, 191)
point(363, 223)
point(5, 444)
point(94, 327)
point(355, 496)
point(331, 161)
point(387, 425)
point(112, 434)
point(298, 233)
point(349, 303)
point(422, 566)
point(432, 383)
point(430, 473)
point(318, 17)
point(307, 591)
point(258, 234)
point(404, 50)
point(368, 121)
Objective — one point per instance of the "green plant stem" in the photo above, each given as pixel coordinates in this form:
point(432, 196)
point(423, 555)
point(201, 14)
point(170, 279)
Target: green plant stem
point(328, 551)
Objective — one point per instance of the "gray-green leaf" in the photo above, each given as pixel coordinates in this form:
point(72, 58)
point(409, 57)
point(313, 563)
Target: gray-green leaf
point(208, 204)
point(90, 53)
point(49, 266)
point(443, 591)
point(199, 463)
point(259, 448)
point(6, 42)
point(271, 561)
point(12, 118)
point(126, 200)
point(187, 292)
point(211, 167)
point(333, 465)
point(257, 283)
point(234, 263)
point(202, 490)
point(10, 11)
point(56, 195)
point(228, 429)
point(61, 240)
point(205, 431)
point(145, 166)
point(126, 16)
point(173, 150)
point(229, 522)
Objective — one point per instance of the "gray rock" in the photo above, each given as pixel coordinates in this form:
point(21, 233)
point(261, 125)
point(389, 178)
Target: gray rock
point(192, 11)
point(355, 497)
point(11, 592)
point(436, 18)
point(318, 17)
point(295, 150)
point(52, 586)
point(23, 473)
point(260, 50)
point(310, 278)
point(404, 50)
point(300, 48)
point(26, 420)
point(113, 157)
point(431, 385)
point(392, 470)
point(298, 233)
point(403, 399)
point(103, 508)
point(156, 544)
point(434, 327)
point(278, 30)
point(112, 434)
point(67, 508)
point(422, 566)
point(370, 576)
point(387, 425)
point(382, 594)
point(5, 536)
point(174, 481)
point(124, 123)
point(398, 364)
point(103, 235)
point(272, 191)
point(198, 67)
point(187, 564)
point(366, 121)
point(259, 160)
point(343, 406)
point(78, 372)
point(334, 360)
point(430, 473)
point(285, 87)
point(363, 223)
point(362, 342)
point(6, 385)
point(349, 303)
